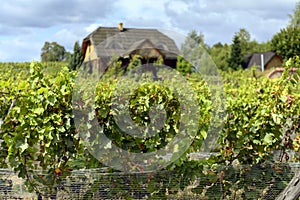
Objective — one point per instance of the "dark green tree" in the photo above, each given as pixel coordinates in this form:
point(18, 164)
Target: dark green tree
point(76, 58)
point(295, 17)
point(287, 42)
point(236, 58)
point(52, 52)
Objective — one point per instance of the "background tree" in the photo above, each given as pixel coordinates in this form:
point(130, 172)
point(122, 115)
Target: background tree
point(236, 58)
point(256, 47)
point(68, 56)
point(193, 48)
point(53, 52)
point(76, 58)
point(220, 54)
point(295, 17)
point(244, 37)
point(287, 42)
point(193, 41)
point(251, 46)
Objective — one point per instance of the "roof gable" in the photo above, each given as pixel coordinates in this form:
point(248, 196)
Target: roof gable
point(144, 48)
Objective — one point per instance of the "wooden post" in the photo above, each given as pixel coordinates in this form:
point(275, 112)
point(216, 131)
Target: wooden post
point(292, 190)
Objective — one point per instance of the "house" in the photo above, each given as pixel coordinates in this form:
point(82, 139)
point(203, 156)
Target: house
point(270, 60)
point(106, 43)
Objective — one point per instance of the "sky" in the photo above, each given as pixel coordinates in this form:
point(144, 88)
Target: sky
point(25, 25)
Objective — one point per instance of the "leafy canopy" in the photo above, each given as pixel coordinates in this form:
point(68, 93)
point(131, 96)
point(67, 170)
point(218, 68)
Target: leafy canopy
point(52, 52)
point(287, 42)
point(295, 17)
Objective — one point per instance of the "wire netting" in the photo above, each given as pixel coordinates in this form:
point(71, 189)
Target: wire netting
point(226, 182)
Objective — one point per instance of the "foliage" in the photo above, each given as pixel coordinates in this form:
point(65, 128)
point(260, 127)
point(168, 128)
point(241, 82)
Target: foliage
point(255, 47)
point(295, 17)
point(220, 54)
point(245, 38)
point(38, 132)
point(251, 46)
point(183, 66)
point(287, 42)
point(193, 48)
point(142, 101)
point(213, 182)
point(76, 58)
point(236, 57)
point(258, 112)
point(192, 41)
point(53, 52)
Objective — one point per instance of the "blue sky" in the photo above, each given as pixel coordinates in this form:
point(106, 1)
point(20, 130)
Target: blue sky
point(26, 24)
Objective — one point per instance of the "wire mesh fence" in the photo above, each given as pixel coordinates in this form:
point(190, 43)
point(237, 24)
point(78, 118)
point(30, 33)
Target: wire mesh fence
point(13, 187)
point(225, 182)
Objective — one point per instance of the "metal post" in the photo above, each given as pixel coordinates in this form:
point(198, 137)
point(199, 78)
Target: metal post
point(262, 62)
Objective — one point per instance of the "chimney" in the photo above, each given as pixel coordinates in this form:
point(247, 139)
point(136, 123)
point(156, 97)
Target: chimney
point(120, 26)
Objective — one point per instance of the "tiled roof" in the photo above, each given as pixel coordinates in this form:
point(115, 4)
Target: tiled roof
point(111, 41)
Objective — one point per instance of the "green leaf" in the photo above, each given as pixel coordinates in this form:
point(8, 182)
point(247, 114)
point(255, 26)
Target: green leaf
point(203, 133)
point(61, 129)
point(283, 98)
point(257, 142)
point(176, 146)
point(23, 147)
point(52, 100)
point(268, 139)
point(108, 145)
point(38, 111)
point(63, 90)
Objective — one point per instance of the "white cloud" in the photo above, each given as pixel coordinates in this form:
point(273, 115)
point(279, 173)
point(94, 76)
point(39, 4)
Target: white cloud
point(144, 9)
point(19, 49)
point(67, 38)
point(26, 25)
point(91, 27)
point(219, 19)
point(178, 7)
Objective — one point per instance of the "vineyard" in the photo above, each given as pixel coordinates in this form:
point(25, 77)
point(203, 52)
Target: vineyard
point(48, 141)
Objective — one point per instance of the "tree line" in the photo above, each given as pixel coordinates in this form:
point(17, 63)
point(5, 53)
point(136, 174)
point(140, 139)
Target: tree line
point(286, 43)
point(54, 52)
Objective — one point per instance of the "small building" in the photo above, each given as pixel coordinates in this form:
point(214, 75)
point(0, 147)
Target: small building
point(270, 60)
point(107, 43)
